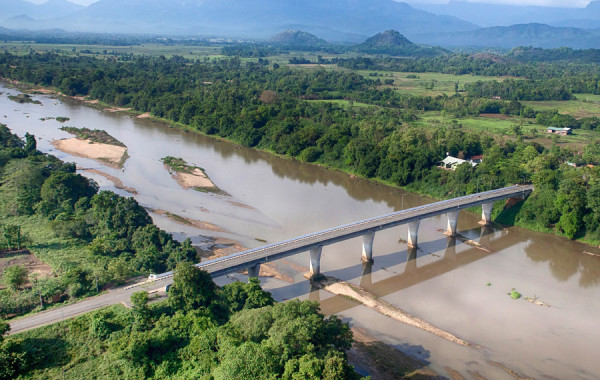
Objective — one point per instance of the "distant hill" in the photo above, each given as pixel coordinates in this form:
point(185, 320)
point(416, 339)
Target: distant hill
point(393, 43)
point(536, 35)
point(296, 38)
point(256, 19)
point(488, 15)
point(47, 10)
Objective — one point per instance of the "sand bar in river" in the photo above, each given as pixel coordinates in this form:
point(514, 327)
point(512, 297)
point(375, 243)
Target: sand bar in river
point(111, 155)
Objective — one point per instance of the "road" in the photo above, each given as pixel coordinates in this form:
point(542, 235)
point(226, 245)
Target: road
point(113, 296)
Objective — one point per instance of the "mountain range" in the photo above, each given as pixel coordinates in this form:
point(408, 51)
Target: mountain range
point(488, 15)
point(333, 20)
point(242, 18)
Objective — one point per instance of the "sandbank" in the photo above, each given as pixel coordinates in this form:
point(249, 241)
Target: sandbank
point(195, 179)
point(110, 155)
point(117, 182)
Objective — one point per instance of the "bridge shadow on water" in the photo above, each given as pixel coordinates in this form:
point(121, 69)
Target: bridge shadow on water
point(385, 267)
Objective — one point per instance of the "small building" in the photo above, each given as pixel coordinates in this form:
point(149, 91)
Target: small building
point(476, 159)
point(450, 163)
point(559, 131)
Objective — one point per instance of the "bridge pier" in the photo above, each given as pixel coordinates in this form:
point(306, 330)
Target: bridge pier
point(452, 221)
point(486, 213)
point(413, 232)
point(315, 261)
point(253, 271)
point(367, 247)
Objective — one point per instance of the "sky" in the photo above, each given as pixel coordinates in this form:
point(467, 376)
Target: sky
point(549, 3)
point(542, 3)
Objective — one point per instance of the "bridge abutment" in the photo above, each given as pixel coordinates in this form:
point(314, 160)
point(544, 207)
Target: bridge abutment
point(315, 261)
point(452, 221)
point(413, 232)
point(367, 246)
point(486, 213)
point(253, 271)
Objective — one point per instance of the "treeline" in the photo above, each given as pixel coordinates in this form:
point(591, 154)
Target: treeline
point(512, 89)
point(257, 106)
point(484, 64)
point(100, 237)
point(199, 332)
point(532, 54)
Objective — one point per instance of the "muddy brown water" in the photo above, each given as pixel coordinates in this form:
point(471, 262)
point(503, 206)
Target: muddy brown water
point(451, 285)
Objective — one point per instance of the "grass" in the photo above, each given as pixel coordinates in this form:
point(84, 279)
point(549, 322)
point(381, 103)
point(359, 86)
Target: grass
point(95, 135)
point(342, 103)
point(586, 105)
point(501, 125)
point(179, 165)
point(168, 51)
point(514, 294)
point(23, 98)
point(430, 84)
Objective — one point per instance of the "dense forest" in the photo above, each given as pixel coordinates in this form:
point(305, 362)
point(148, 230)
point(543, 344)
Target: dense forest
point(277, 109)
point(199, 332)
point(91, 238)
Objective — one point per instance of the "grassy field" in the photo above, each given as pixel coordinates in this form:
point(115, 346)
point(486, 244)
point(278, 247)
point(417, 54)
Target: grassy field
point(343, 103)
point(192, 52)
point(431, 84)
point(501, 125)
point(586, 105)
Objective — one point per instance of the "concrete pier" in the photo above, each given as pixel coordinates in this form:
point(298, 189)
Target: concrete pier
point(315, 261)
point(486, 213)
point(452, 221)
point(413, 232)
point(253, 271)
point(367, 247)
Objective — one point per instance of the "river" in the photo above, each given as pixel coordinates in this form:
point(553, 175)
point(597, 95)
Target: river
point(453, 286)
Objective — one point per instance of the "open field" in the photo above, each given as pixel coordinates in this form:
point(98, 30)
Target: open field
point(186, 51)
point(586, 105)
point(432, 84)
point(343, 103)
point(501, 125)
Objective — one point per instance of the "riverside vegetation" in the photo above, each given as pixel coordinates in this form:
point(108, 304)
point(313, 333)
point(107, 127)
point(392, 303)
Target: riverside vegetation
point(93, 239)
point(200, 332)
point(90, 239)
point(270, 108)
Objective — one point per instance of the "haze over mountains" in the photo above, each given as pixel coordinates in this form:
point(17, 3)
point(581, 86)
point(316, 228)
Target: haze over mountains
point(333, 20)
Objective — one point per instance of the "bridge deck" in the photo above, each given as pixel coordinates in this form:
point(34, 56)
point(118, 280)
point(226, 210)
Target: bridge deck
point(242, 260)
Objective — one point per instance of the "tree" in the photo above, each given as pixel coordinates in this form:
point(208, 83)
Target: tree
point(30, 144)
point(15, 276)
point(11, 236)
point(239, 295)
point(192, 288)
point(141, 312)
point(4, 328)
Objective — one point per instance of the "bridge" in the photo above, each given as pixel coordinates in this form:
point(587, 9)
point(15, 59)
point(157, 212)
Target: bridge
point(314, 242)
point(252, 259)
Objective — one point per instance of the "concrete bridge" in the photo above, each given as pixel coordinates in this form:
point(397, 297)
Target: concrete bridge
point(251, 259)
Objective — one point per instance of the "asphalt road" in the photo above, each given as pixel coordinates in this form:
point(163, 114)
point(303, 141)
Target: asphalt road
point(113, 296)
